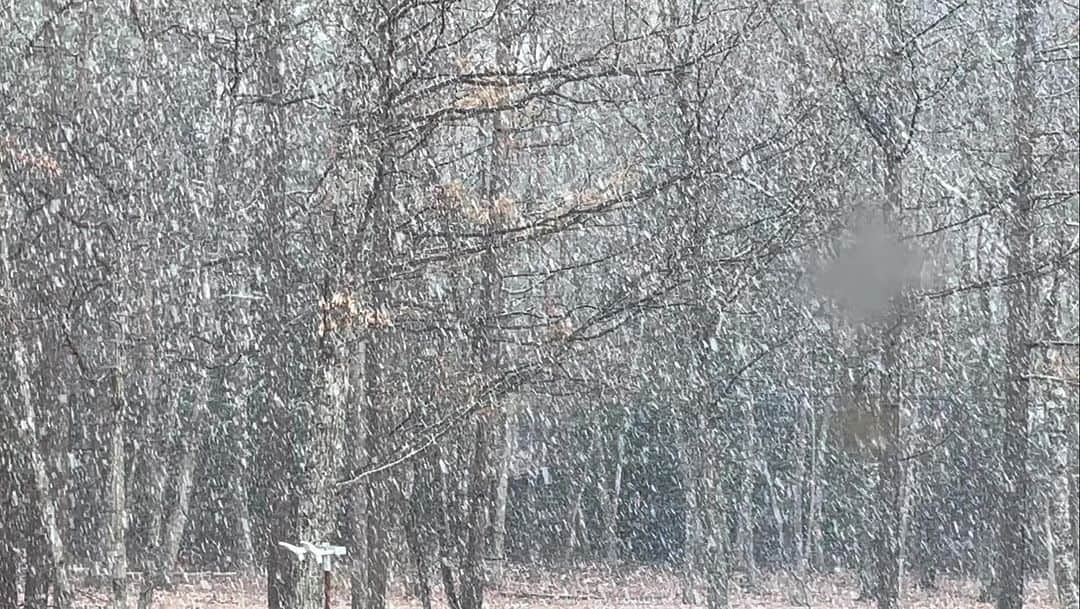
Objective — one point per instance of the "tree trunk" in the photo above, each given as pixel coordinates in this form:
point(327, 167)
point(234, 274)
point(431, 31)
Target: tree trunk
point(1072, 475)
point(38, 576)
point(716, 551)
point(26, 430)
point(472, 568)
point(378, 566)
point(502, 490)
point(244, 558)
point(282, 572)
point(777, 513)
point(987, 559)
point(117, 493)
point(1014, 452)
point(485, 348)
point(193, 431)
point(1056, 438)
point(177, 521)
point(611, 505)
point(693, 544)
point(907, 491)
point(572, 538)
point(890, 480)
point(356, 529)
point(376, 498)
point(744, 532)
point(1048, 543)
point(9, 536)
point(890, 472)
point(799, 493)
point(609, 465)
point(446, 533)
point(154, 575)
point(413, 523)
point(821, 433)
point(929, 535)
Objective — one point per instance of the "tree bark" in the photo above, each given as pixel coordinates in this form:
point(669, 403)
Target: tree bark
point(154, 574)
point(799, 494)
point(1072, 474)
point(192, 432)
point(890, 478)
point(26, 430)
point(609, 500)
point(178, 516)
point(244, 558)
point(716, 550)
point(413, 523)
point(282, 572)
point(1014, 447)
point(817, 542)
point(38, 570)
point(356, 496)
point(375, 403)
point(744, 532)
point(693, 544)
point(446, 532)
point(502, 490)
point(117, 492)
point(890, 472)
point(472, 568)
point(9, 534)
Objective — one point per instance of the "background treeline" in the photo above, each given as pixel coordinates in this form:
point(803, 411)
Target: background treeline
point(785, 285)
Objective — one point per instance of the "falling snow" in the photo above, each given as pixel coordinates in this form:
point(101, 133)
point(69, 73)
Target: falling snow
point(539, 303)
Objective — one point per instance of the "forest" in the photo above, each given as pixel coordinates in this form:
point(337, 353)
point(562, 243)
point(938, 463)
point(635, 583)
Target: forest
point(539, 303)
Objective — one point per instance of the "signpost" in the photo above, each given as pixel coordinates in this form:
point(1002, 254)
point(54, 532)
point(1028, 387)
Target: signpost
point(324, 553)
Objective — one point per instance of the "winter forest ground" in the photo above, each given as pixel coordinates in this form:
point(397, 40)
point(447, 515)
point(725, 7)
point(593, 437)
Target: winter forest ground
point(635, 587)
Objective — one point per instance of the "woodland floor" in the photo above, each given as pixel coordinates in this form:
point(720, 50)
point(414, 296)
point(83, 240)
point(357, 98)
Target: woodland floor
point(629, 588)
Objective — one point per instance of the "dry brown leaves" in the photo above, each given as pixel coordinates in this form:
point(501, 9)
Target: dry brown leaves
point(589, 588)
